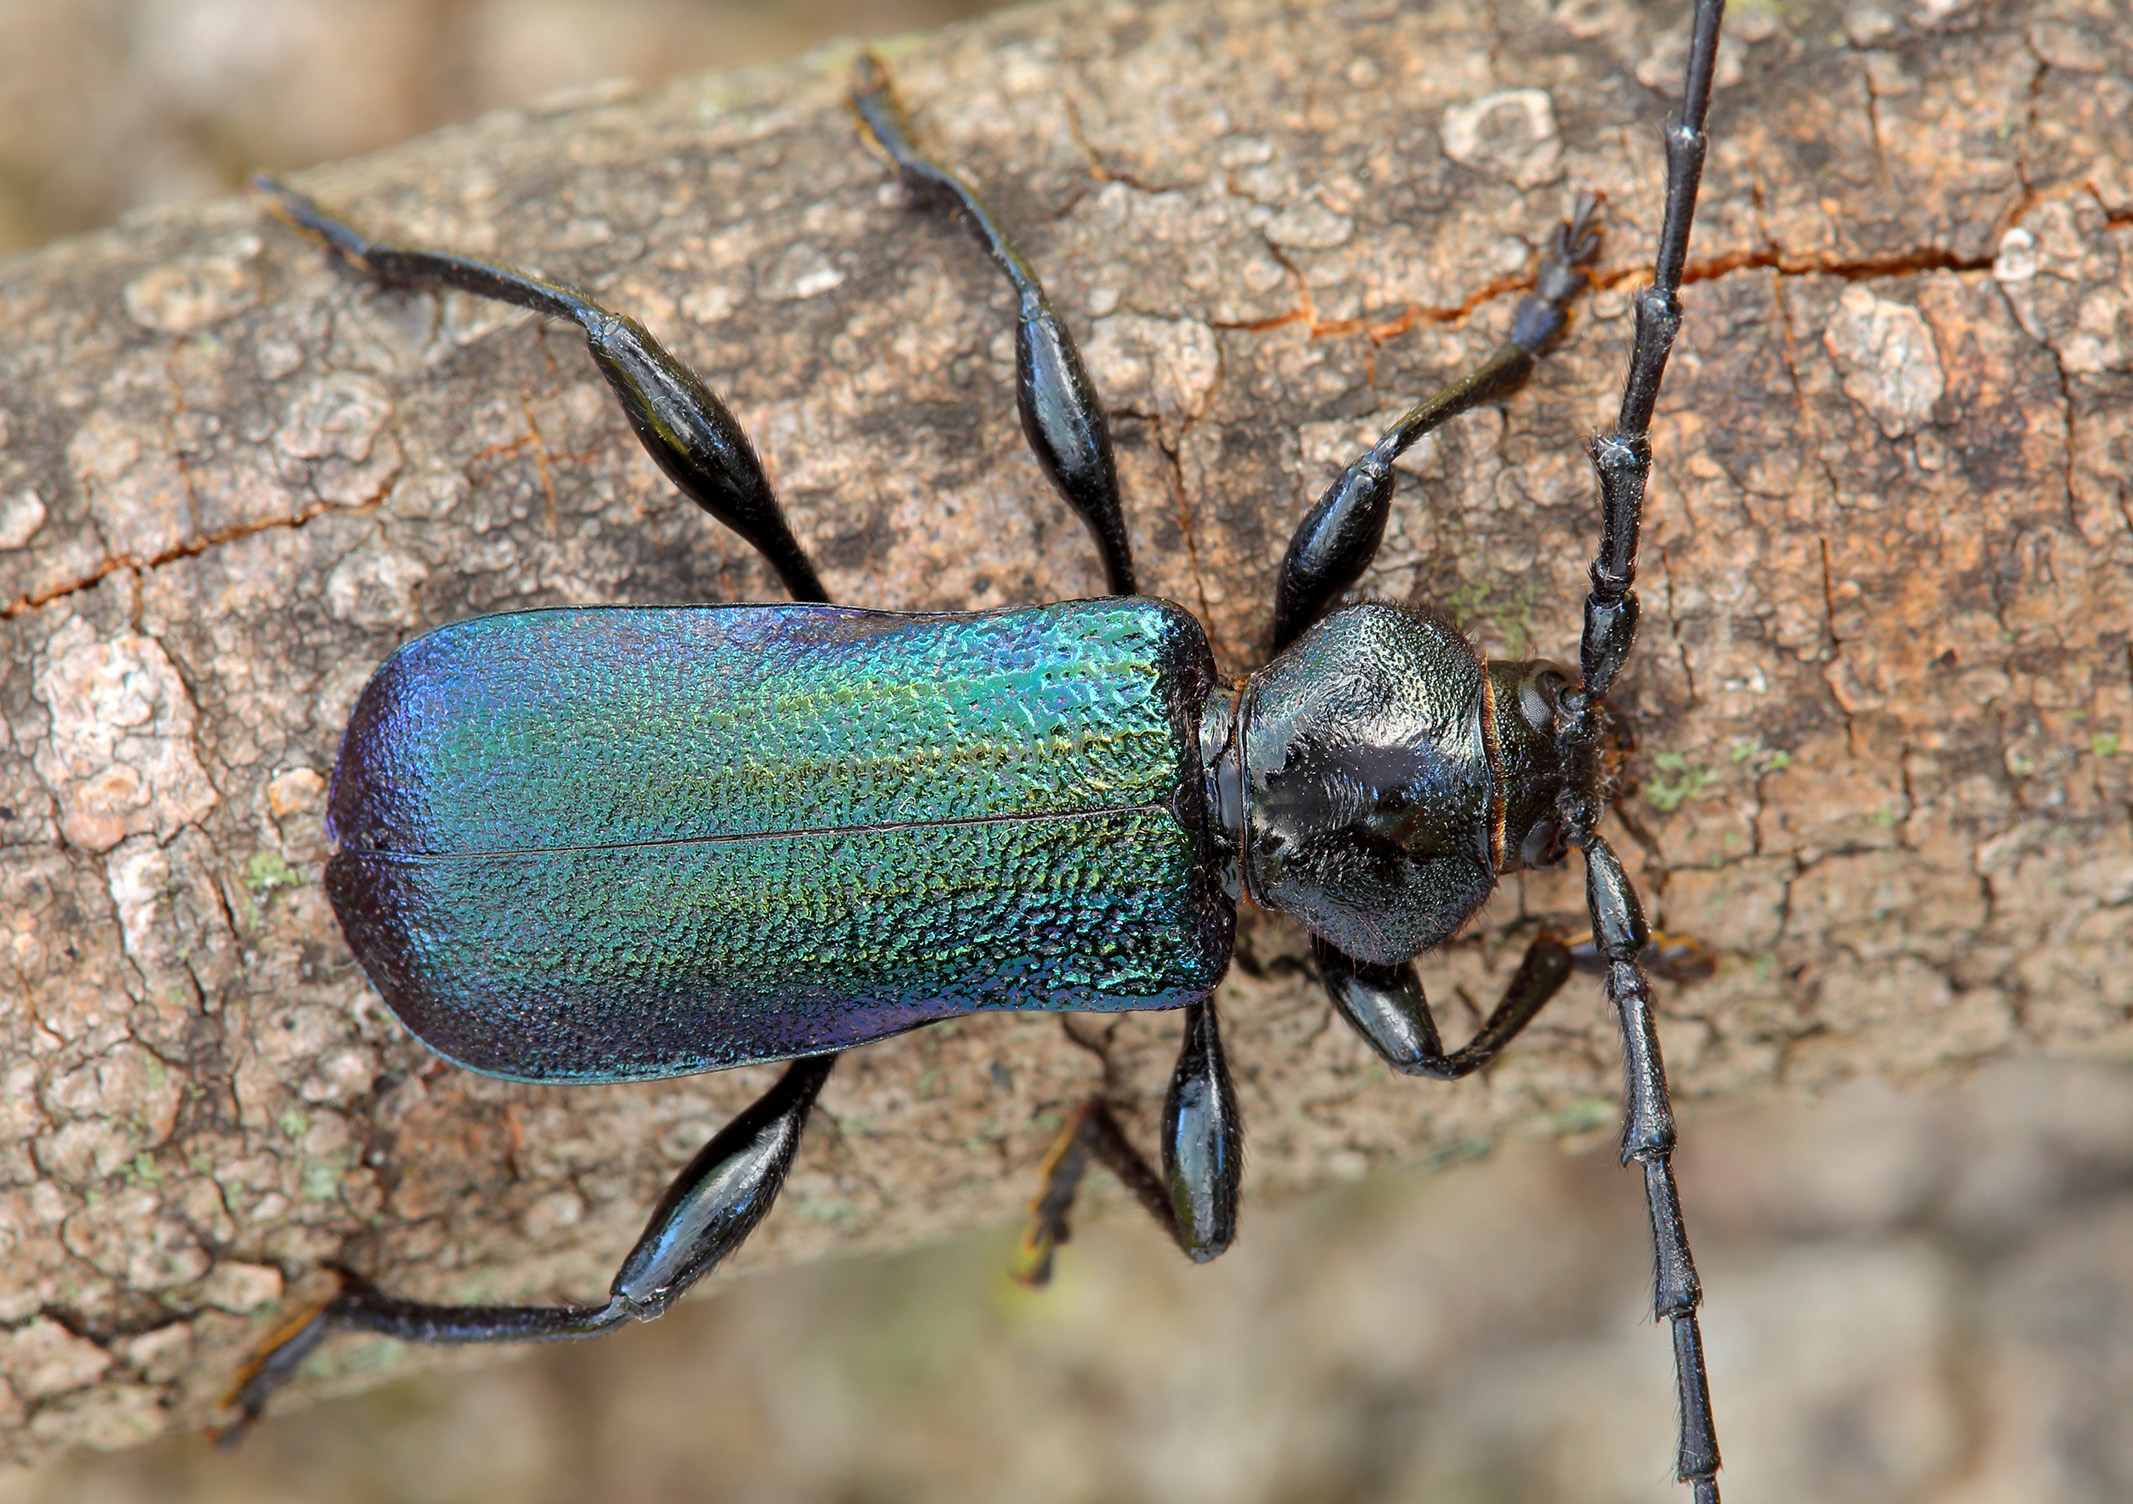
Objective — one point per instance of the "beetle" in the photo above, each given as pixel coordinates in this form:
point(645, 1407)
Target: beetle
point(620, 843)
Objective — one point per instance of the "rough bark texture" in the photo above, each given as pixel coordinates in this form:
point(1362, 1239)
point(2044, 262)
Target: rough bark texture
point(1884, 693)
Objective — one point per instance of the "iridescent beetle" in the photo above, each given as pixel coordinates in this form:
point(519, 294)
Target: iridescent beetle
point(619, 843)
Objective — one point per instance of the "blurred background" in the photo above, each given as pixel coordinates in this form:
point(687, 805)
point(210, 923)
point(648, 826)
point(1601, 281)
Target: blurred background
point(109, 105)
point(1922, 1298)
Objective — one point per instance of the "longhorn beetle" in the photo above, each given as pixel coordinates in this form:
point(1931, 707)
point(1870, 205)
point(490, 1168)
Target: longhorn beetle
point(606, 844)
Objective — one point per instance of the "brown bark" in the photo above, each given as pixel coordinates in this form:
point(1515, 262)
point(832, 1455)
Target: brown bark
point(1884, 692)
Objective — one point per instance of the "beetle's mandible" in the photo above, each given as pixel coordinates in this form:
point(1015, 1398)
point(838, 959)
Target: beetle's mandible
point(604, 844)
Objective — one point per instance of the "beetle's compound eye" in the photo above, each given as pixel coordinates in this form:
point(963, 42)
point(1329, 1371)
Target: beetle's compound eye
point(1540, 697)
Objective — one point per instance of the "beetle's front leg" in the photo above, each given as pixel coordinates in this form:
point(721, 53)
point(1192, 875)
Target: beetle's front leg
point(1194, 1198)
point(1385, 1005)
point(706, 1213)
point(1339, 536)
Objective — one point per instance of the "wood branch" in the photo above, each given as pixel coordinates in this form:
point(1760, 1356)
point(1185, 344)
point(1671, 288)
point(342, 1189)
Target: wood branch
point(1884, 696)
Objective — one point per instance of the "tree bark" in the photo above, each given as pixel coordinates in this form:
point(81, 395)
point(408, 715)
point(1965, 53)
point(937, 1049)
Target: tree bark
point(1884, 693)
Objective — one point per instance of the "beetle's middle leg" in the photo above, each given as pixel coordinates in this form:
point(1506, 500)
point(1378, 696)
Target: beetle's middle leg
point(1193, 1197)
point(682, 424)
point(1061, 416)
point(706, 1213)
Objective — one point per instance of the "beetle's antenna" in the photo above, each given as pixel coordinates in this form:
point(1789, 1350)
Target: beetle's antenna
point(1623, 460)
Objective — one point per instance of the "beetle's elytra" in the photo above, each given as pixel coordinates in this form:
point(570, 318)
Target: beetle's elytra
point(615, 843)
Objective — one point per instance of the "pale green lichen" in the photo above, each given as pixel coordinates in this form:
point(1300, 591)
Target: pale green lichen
point(321, 1180)
point(1510, 610)
point(1764, 759)
point(1691, 782)
point(265, 871)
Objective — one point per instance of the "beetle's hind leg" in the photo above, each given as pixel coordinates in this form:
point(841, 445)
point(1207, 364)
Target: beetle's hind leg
point(1061, 415)
point(1193, 1197)
point(1091, 1130)
point(706, 1213)
point(1339, 536)
point(682, 424)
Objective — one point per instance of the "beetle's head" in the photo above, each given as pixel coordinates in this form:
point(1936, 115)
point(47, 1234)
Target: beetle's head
point(1528, 708)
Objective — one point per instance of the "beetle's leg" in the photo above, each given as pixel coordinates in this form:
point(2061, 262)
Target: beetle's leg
point(705, 1214)
point(692, 435)
point(1194, 1198)
point(1386, 1006)
point(1339, 536)
point(1093, 1129)
point(1061, 415)
point(1203, 1141)
point(1670, 957)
